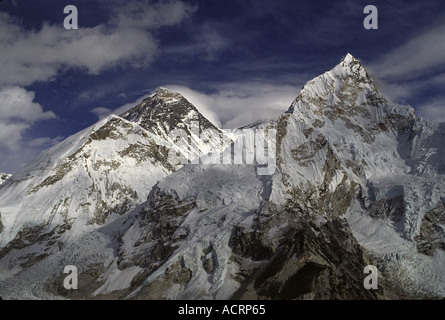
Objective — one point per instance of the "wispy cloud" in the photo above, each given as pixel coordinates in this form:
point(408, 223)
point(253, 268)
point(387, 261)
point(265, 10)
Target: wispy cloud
point(237, 104)
point(27, 56)
point(434, 109)
point(418, 56)
point(44, 142)
point(231, 105)
point(207, 42)
point(415, 71)
point(18, 112)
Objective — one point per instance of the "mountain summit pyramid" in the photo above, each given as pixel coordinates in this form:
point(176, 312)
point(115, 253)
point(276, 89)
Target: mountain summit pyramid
point(359, 181)
point(164, 111)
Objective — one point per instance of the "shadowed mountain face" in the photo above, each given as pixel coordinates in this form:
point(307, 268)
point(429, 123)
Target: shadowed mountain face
point(358, 181)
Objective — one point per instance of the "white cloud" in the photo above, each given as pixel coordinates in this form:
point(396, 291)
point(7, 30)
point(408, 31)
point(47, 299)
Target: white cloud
point(395, 91)
point(235, 105)
point(231, 105)
point(142, 14)
point(17, 104)
point(18, 112)
point(415, 69)
point(27, 56)
point(416, 57)
point(207, 42)
point(201, 101)
point(212, 41)
point(10, 135)
point(101, 112)
point(434, 110)
point(45, 142)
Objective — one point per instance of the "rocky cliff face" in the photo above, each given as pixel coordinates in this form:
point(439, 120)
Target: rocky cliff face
point(358, 181)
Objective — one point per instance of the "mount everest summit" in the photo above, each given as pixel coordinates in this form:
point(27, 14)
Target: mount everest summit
point(356, 181)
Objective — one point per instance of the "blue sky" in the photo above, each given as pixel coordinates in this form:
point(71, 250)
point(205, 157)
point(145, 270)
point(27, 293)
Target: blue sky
point(237, 61)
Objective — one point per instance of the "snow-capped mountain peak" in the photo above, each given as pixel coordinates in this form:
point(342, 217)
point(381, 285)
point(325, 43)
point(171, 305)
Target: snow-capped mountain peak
point(167, 95)
point(166, 110)
point(349, 60)
point(346, 96)
point(348, 83)
point(351, 70)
